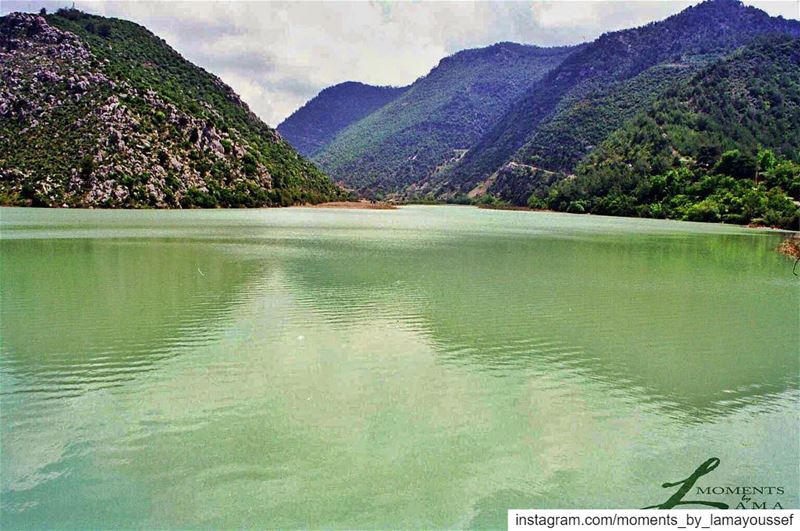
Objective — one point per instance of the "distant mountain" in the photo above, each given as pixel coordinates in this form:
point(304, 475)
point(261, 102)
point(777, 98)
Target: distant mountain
point(434, 121)
point(313, 126)
point(724, 147)
point(578, 104)
point(100, 112)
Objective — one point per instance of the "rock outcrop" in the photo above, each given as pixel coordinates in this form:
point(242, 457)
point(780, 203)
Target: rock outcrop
point(75, 131)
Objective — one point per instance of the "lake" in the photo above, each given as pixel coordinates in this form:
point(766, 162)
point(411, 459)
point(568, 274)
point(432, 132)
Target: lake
point(422, 367)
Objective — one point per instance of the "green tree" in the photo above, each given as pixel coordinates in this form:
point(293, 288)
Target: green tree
point(736, 164)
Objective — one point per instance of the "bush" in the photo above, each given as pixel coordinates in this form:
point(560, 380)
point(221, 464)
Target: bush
point(706, 210)
point(69, 13)
point(577, 207)
point(537, 202)
point(198, 198)
point(781, 211)
point(87, 166)
point(737, 165)
point(250, 164)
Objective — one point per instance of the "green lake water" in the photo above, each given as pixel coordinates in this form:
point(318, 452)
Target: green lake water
point(425, 367)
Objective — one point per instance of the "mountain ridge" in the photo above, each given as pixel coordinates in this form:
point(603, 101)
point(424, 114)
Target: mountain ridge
point(436, 118)
point(711, 27)
point(314, 125)
point(724, 147)
point(567, 111)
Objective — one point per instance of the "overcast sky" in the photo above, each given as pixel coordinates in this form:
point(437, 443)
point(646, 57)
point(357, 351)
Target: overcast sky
point(277, 55)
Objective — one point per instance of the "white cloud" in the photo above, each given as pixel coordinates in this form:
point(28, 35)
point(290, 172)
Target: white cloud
point(277, 55)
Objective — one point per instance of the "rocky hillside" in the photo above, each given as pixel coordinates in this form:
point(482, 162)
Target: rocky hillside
point(570, 111)
point(315, 124)
point(433, 123)
point(100, 112)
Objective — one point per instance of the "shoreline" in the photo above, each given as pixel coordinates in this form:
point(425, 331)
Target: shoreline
point(351, 205)
point(517, 208)
point(366, 205)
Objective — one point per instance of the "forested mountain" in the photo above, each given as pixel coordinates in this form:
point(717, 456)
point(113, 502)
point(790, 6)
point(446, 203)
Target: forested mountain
point(724, 147)
point(313, 126)
point(576, 106)
point(440, 116)
point(100, 112)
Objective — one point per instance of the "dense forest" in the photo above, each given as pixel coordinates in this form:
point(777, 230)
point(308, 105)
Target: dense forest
point(724, 147)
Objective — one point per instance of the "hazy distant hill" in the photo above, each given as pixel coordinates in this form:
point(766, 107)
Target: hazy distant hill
point(313, 126)
point(437, 118)
point(100, 112)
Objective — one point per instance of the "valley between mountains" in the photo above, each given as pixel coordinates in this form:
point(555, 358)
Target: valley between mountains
point(693, 117)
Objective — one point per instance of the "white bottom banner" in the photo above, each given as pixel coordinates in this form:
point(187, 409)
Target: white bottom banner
point(529, 519)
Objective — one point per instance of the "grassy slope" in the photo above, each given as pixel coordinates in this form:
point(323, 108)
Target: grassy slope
point(579, 125)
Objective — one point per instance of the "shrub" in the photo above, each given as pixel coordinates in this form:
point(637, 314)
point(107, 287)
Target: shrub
point(536, 202)
point(705, 210)
point(198, 198)
point(69, 13)
point(249, 162)
point(87, 166)
point(577, 207)
point(737, 165)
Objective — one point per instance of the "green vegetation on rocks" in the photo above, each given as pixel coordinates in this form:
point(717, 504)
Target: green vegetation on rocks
point(574, 108)
point(100, 112)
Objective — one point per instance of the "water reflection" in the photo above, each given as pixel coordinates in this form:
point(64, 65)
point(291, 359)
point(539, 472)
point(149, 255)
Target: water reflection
point(699, 323)
point(81, 318)
point(89, 313)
